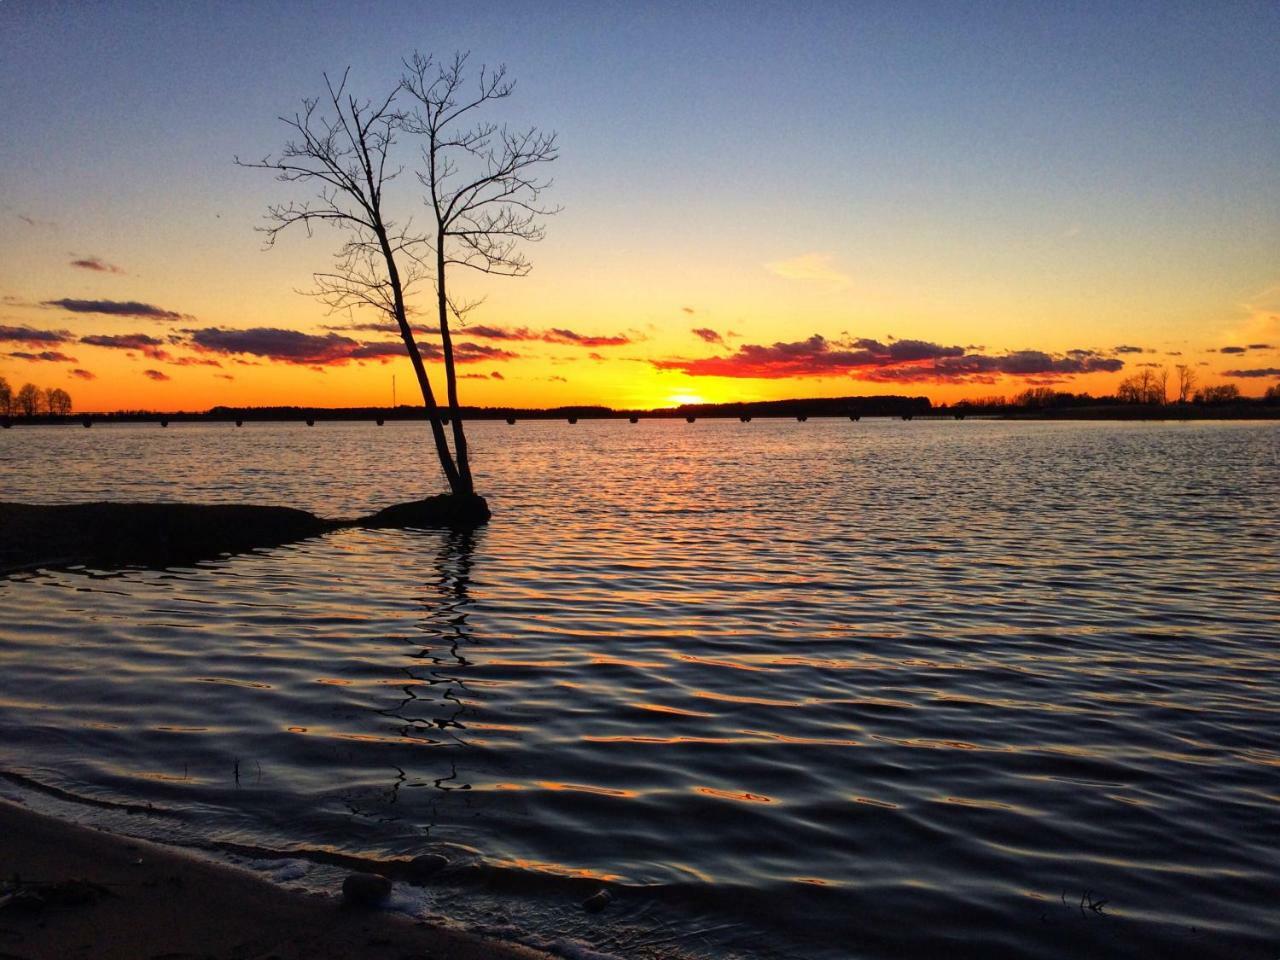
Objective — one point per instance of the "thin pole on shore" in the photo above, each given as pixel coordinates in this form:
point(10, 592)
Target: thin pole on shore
point(393, 391)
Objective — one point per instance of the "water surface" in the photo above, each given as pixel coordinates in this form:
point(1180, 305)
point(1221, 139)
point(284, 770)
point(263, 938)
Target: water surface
point(818, 690)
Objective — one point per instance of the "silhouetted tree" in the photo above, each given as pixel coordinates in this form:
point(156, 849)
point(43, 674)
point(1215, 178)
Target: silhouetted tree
point(57, 401)
point(1142, 387)
point(342, 148)
point(28, 400)
point(1272, 394)
point(1186, 382)
point(6, 398)
point(481, 191)
point(1222, 393)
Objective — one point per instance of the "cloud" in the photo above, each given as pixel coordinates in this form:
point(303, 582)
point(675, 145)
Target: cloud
point(1260, 346)
point(688, 310)
point(116, 308)
point(191, 361)
point(811, 267)
point(82, 374)
point(96, 264)
point(554, 335)
point(707, 334)
point(286, 346)
point(33, 337)
point(482, 376)
point(52, 356)
point(33, 222)
point(1256, 372)
point(1233, 349)
point(156, 375)
point(1125, 348)
point(147, 345)
point(476, 352)
point(901, 361)
point(323, 350)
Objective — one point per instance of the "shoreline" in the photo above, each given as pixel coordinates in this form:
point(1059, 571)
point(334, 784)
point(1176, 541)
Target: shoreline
point(135, 898)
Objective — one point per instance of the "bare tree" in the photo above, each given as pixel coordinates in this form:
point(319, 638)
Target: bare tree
point(482, 193)
point(1186, 382)
point(28, 401)
point(6, 398)
point(1162, 386)
point(57, 401)
point(342, 148)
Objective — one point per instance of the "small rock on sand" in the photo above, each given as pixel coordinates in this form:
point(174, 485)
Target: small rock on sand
point(365, 889)
point(597, 901)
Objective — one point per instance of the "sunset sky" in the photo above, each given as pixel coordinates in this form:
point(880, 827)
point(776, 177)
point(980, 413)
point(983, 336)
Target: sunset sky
point(759, 200)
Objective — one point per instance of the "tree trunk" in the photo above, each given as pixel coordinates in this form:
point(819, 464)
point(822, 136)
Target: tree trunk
point(450, 375)
point(428, 397)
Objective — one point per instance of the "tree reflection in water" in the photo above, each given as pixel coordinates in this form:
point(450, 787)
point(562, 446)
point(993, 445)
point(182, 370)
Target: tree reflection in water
point(435, 697)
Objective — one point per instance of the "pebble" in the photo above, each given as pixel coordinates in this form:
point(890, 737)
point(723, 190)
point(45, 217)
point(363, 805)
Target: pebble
point(365, 889)
point(597, 901)
point(426, 865)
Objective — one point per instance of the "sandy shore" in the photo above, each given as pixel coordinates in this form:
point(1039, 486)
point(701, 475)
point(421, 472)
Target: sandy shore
point(141, 901)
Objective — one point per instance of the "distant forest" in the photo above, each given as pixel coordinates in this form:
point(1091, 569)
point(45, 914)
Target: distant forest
point(1140, 397)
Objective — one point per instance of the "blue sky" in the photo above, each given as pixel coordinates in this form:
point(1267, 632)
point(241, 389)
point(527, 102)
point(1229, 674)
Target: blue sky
point(1103, 164)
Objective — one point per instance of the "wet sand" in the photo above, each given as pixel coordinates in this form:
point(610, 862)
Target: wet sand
point(140, 901)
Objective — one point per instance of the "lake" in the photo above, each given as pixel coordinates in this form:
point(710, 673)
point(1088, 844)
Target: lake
point(817, 690)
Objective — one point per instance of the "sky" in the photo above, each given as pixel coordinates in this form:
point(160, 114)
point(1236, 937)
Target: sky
point(759, 201)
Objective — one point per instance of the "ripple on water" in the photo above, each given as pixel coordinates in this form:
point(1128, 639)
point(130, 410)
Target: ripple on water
point(874, 689)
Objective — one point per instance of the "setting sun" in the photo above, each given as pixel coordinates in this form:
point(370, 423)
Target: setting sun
point(680, 399)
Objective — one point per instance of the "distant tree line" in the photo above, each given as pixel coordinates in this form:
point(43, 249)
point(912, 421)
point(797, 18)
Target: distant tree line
point(1149, 387)
point(32, 401)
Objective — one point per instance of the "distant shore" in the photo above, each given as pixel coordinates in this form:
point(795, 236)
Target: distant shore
point(852, 408)
point(116, 898)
